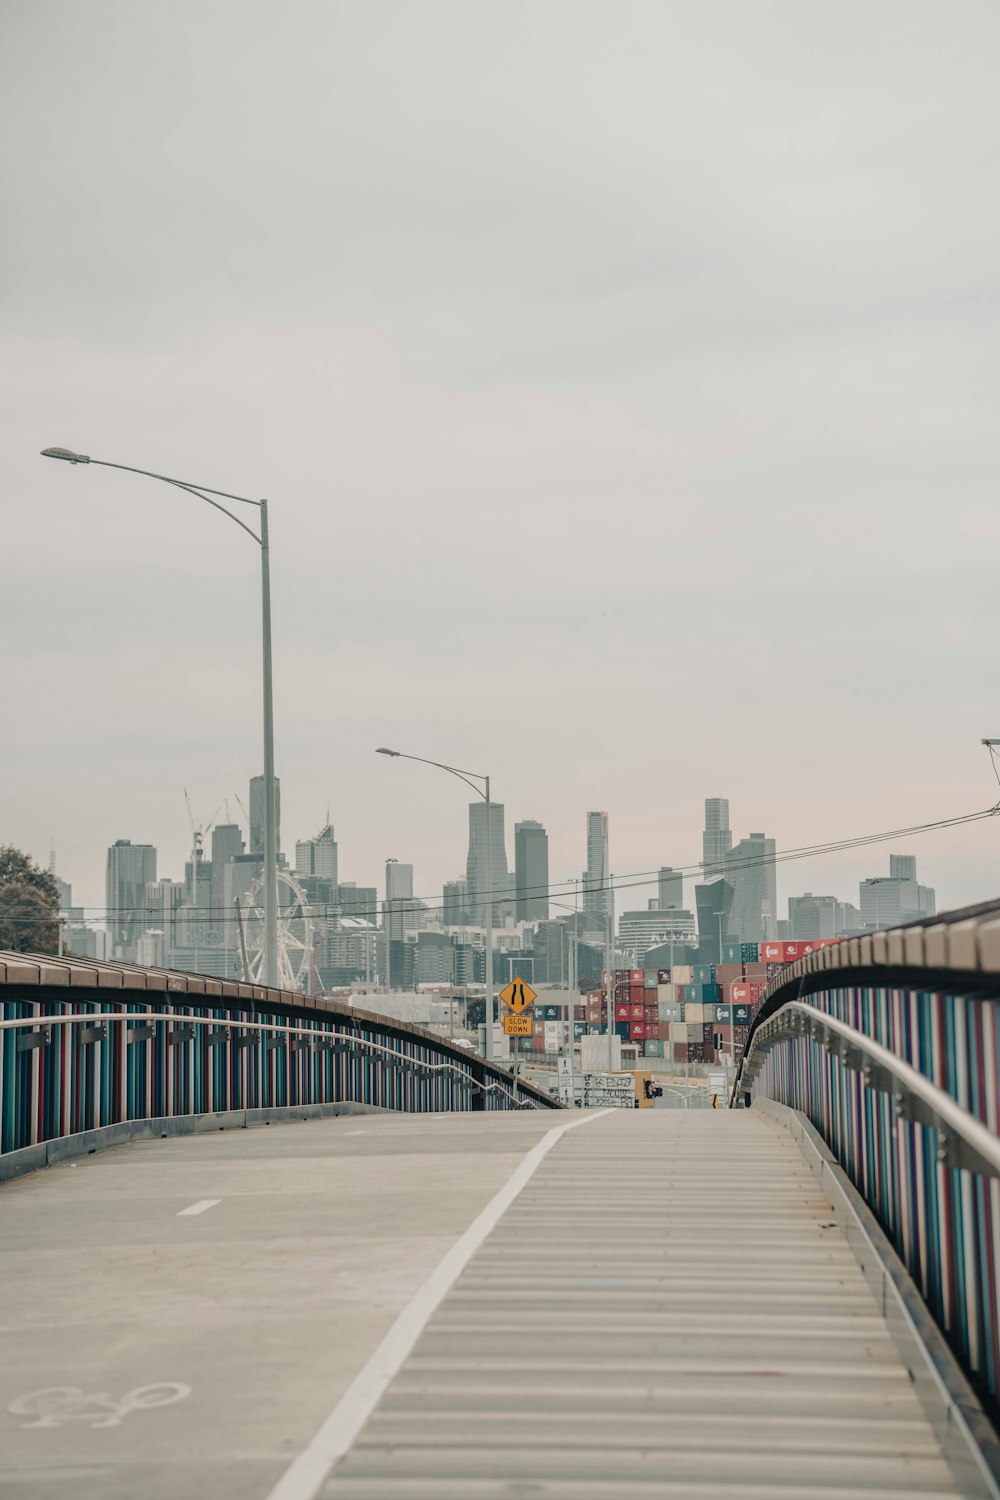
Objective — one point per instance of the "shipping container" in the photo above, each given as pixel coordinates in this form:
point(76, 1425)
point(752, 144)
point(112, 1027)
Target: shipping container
point(649, 981)
point(678, 1031)
point(579, 1013)
point(636, 976)
point(694, 1013)
point(704, 973)
point(732, 953)
point(749, 953)
point(695, 1031)
point(670, 1012)
point(654, 1048)
point(680, 1052)
point(683, 974)
point(637, 1012)
point(711, 994)
point(621, 1029)
point(637, 1032)
point(663, 976)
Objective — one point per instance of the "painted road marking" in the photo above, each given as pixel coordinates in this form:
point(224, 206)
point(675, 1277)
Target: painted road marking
point(70, 1403)
point(199, 1207)
point(305, 1475)
point(358, 1132)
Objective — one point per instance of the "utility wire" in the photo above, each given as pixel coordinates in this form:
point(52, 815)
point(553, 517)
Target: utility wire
point(565, 888)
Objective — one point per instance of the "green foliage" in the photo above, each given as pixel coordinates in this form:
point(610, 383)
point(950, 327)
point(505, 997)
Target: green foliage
point(29, 905)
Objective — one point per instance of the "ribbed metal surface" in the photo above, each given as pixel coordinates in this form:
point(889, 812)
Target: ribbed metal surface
point(666, 1310)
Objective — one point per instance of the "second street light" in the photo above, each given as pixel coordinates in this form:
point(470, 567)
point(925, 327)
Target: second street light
point(483, 792)
point(270, 974)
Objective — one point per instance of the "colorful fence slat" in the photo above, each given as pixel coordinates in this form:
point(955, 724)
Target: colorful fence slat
point(160, 1060)
point(944, 1222)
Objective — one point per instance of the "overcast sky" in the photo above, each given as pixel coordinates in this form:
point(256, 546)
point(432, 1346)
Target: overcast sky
point(623, 378)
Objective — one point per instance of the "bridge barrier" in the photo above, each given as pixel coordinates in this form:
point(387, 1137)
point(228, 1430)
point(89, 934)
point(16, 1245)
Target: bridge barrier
point(890, 1046)
point(73, 1059)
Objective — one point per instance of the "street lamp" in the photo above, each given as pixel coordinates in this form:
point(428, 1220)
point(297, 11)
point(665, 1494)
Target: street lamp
point(464, 776)
point(270, 829)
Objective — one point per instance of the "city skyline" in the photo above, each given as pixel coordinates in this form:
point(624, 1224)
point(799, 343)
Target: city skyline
point(753, 877)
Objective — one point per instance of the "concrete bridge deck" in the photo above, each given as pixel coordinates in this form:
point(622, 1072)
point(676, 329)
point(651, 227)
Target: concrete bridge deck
point(657, 1305)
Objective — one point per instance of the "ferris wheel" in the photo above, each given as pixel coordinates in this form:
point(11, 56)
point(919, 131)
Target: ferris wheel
point(295, 932)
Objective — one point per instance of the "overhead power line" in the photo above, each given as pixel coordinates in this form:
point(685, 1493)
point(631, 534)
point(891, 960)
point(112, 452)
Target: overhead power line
point(616, 883)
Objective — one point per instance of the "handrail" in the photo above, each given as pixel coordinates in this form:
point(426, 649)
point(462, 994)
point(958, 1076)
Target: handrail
point(964, 1141)
point(179, 1018)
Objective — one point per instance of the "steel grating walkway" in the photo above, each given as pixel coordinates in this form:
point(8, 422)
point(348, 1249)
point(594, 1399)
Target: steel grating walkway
point(665, 1310)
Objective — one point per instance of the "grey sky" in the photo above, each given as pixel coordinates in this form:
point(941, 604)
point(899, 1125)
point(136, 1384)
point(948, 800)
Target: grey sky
point(623, 378)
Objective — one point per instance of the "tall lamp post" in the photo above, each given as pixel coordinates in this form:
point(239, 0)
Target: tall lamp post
point(485, 794)
point(270, 821)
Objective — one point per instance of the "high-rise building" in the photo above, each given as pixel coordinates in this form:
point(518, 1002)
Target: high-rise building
point(639, 931)
point(714, 900)
point(227, 843)
point(889, 901)
point(670, 886)
point(359, 901)
point(455, 906)
point(597, 877)
point(130, 868)
point(257, 814)
point(531, 871)
point(318, 856)
point(480, 881)
point(750, 870)
point(398, 898)
point(812, 916)
point(717, 839)
point(164, 899)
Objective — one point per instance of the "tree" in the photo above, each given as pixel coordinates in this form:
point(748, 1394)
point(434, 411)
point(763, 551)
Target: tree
point(29, 905)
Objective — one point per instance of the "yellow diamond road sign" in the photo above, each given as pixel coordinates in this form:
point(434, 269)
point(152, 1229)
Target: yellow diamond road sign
point(517, 1026)
point(517, 995)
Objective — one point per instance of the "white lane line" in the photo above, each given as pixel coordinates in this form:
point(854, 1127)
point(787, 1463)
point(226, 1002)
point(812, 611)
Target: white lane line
point(359, 1132)
point(304, 1476)
point(199, 1207)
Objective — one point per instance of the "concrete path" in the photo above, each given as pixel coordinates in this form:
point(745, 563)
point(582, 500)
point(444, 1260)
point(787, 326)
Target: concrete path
point(664, 1309)
point(246, 1319)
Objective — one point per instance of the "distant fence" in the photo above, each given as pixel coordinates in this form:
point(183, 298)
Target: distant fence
point(890, 1045)
point(74, 1059)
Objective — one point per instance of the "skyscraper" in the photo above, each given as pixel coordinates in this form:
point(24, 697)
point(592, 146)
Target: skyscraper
point(130, 868)
point(717, 839)
point(596, 895)
point(531, 871)
point(670, 885)
point(750, 870)
point(227, 843)
point(398, 898)
point(480, 880)
point(455, 911)
point(318, 856)
point(257, 815)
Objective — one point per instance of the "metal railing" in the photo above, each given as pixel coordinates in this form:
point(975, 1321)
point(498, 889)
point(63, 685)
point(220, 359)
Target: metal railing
point(66, 1070)
point(894, 1056)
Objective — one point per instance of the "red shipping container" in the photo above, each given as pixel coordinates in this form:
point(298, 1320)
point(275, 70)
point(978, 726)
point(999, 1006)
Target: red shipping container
point(637, 1013)
point(636, 976)
point(579, 1013)
point(746, 994)
point(623, 1012)
point(637, 994)
point(538, 1029)
point(637, 1032)
point(680, 1052)
point(726, 973)
point(538, 1044)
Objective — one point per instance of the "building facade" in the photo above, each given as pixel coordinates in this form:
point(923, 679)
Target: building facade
point(531, 871)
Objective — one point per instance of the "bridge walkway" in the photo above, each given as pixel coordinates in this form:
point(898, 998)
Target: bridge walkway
point(664, 1308)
